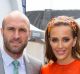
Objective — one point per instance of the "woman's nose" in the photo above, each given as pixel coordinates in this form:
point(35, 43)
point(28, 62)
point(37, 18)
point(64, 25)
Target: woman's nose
point(60, 44)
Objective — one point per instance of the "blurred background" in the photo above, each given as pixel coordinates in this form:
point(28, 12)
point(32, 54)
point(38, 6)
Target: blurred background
point(39, 13)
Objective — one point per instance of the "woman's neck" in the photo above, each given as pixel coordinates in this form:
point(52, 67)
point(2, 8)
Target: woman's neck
point(65, 61)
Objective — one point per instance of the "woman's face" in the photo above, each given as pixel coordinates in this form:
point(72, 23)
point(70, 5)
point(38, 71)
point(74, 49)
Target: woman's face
point(62, 41)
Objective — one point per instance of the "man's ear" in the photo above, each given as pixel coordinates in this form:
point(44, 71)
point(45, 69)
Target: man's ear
point(29, 35)
point(1, 30)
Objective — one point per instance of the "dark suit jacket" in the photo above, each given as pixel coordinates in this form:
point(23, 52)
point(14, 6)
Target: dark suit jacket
point(32, 66)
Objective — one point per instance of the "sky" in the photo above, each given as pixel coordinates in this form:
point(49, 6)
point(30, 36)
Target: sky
point(32, 5)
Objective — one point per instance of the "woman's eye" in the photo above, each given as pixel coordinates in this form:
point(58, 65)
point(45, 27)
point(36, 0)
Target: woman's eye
point(66, 39)
point(54, 39)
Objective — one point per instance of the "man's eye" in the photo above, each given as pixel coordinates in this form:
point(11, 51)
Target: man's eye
point(11, 29)
point(23, 30)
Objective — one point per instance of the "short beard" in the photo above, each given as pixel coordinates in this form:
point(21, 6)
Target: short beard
point(19, 52)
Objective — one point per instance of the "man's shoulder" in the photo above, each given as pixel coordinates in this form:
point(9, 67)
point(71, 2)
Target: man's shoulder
point(34, 64)
point(34, 60)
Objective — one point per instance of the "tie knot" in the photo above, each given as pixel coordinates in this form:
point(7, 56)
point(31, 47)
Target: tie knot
point(15, 63)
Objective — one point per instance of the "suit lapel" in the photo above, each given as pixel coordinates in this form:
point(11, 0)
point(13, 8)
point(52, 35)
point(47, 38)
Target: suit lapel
point(28, 67)
point(1, 65)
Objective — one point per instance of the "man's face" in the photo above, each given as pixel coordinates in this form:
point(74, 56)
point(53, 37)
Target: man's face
point(15, 35)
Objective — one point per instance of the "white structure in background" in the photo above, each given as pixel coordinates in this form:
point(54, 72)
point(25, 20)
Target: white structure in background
point(36, 45)
point(37, 33)
point(78, 21)
point(7, 6)
point(35, 28)
point(34, 48)
point(33, 5)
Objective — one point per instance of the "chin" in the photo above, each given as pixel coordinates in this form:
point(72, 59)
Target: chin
point(61, 57)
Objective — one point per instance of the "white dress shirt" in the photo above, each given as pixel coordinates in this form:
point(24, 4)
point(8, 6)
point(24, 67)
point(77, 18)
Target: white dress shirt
point(8, 66)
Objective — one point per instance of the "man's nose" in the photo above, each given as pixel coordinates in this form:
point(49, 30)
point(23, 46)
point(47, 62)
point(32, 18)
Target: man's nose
point(16, 34)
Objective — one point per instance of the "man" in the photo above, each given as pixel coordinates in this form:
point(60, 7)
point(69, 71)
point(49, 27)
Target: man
point(16, 31)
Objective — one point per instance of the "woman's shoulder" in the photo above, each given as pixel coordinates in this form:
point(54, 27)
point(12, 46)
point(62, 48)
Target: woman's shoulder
point(47, 68)
point(48, 65)
point(51, 64)
point(77, 62)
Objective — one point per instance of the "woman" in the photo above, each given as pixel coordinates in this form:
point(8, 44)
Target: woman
point(62, 46)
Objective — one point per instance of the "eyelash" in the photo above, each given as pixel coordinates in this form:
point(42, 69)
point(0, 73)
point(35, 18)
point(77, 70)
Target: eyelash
point(55, 39)
point(66, 39)
point(22, 30)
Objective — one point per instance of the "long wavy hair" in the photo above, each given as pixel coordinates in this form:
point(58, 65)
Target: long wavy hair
point(66, 21)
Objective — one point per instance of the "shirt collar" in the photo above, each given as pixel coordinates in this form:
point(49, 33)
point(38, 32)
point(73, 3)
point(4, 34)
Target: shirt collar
point(8, 60)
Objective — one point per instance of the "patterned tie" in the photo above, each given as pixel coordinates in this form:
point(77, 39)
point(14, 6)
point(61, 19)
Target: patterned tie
point(16, 66)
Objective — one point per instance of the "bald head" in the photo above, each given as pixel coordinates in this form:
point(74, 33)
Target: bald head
point(16, 32)
point(15, 15)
